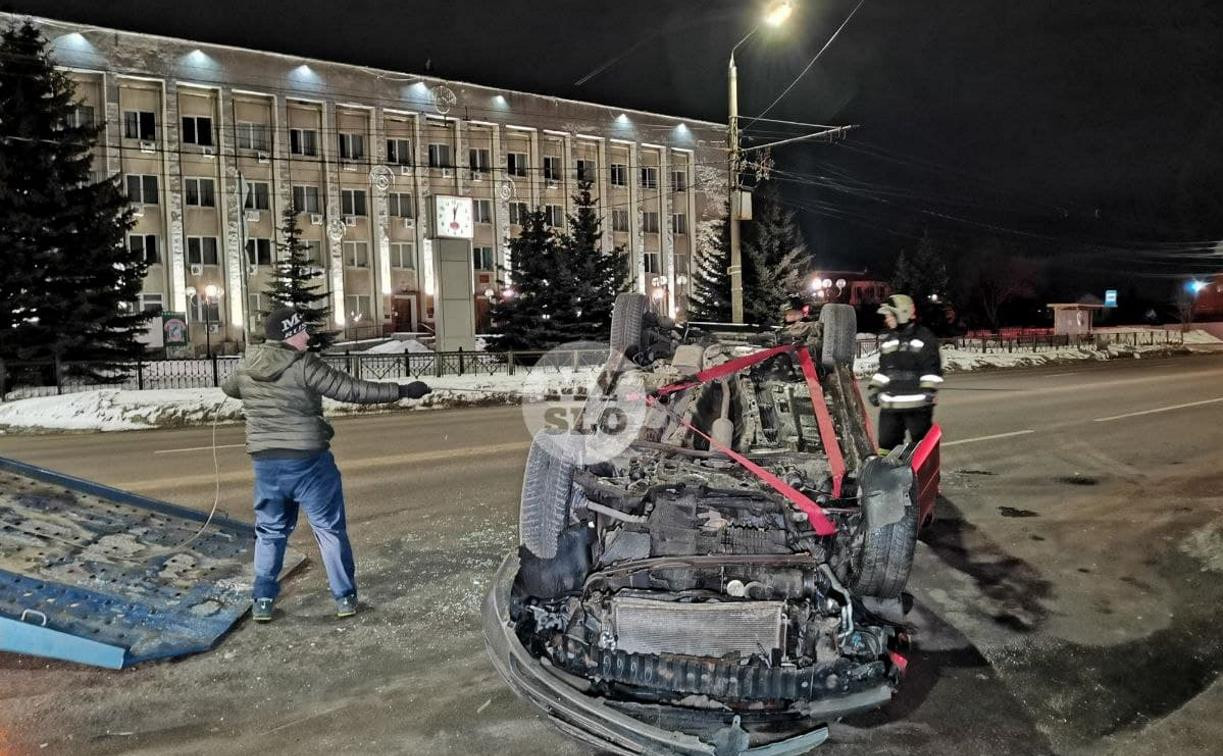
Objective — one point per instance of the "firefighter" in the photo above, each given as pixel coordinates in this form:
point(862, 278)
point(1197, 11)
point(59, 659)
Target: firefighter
point(909, 376)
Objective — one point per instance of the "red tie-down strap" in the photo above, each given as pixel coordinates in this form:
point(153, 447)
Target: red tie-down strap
point(828, 437)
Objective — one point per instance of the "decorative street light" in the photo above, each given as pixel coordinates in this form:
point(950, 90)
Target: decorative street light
point(212, 293)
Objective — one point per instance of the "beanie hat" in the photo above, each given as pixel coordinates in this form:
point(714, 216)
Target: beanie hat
point(899, 306)
point(283, 323)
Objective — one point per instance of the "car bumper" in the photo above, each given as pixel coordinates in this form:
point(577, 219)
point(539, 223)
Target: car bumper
point(596, 721)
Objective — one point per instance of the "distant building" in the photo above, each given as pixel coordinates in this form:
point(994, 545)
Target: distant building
point(861, 287)
point(1208, 302)
point(214, 142)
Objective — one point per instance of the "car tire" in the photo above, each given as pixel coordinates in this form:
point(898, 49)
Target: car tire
point(839, 334)
point(626, 324)
point(881, 564)
point(547, 483)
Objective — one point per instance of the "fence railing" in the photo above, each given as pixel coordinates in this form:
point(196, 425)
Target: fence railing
point(19, 380)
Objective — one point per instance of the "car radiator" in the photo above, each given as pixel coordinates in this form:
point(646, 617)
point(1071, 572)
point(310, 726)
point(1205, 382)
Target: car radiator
point(647, 626)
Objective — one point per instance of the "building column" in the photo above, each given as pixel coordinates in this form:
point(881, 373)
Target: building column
point(635, 220)
point(282, 185)
point(602, 184)
point(535, 174)
point(172, 214)
point(328, 142)
point(379, 219)
point(501, 198)
point(665, 233)
point(568, 173)
point(233, 256)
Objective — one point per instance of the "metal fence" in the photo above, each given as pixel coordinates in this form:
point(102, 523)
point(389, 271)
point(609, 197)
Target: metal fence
point(19, 380)
point(1036, 341)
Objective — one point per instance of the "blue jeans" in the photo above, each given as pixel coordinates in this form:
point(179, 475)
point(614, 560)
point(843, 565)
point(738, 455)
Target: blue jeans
point(281, 485)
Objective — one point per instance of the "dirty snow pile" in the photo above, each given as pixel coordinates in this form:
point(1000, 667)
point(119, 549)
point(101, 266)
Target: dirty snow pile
point(121, 409)
point(399, 346)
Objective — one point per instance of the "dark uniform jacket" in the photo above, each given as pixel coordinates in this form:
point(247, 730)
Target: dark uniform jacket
point(281, 391)
point(910, 368)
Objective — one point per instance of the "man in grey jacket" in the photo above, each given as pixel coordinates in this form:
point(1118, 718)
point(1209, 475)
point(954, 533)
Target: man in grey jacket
point(281, 386)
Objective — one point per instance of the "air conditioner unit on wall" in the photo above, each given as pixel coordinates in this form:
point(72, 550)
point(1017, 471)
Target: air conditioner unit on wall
point(148, 146)
point(138, 211)
point(252, 270)
point(252, 215)
point(208, 151)
point(409, 223)
point(405, 170)
point(197, 269)
point(350, 220)
point(348, 165)
point(447, 173)
point(316, 219)
point(263, 157)
point(552, 184)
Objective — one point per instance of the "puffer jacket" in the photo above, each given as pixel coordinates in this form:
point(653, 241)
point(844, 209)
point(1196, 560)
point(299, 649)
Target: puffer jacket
point(910, 369)
point(281, 391)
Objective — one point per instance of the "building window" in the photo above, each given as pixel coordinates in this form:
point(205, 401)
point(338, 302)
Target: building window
point(151, 302)
point(519, 213)
point(479, 160)
point(257, 195)
point(142, 189)
point(356, 254)
point(204, 310)
point(145, 246)
point(482, 258)
point(679, 181)
point(516, 163)
point(201, 250)
point(252, 136)
point(651, 262)
point(254, 310)
point(440, 156)
point(197, 130)
point(400, 205)
point(679, 223)
point(352, 146)
point(358, 306)
point(403, 255)
point(139, 124)
point(552, 168)
point(649, 222)
point(399, 151)
point(483, 211)
point(313, 252)
point(554, 215)
point(587, 170)
point(258, 251)
point(306, 199)
point(80, 115)
point(649, 177)
point(201, 192)
point(620, 220)
point(303, 142)
point(619, 174)
point(352, 201)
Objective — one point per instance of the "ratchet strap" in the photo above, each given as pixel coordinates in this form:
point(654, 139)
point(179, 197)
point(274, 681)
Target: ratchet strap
point(836, 461)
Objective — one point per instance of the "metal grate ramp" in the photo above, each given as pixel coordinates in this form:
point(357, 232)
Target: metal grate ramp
point(95, 575)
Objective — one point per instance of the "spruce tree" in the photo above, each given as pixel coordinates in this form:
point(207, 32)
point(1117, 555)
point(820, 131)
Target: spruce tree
point(775, 258)
point(526, 317)
point(70, 279)
point(922, 274)
point(593, 277)
point(709, 292)
point(298, 284)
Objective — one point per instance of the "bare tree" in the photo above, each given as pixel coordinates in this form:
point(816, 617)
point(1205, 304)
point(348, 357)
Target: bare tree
point(1186, 300)
point(996, 277)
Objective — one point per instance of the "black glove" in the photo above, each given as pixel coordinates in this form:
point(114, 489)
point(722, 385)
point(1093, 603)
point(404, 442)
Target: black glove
point(413, 390)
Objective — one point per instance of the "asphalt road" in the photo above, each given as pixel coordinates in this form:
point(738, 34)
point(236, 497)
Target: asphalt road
point(1067, 595)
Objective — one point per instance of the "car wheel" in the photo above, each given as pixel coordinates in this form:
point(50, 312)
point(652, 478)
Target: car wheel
point(546, 485)
point(883, 551)
point(626, 325)
point(840, 334)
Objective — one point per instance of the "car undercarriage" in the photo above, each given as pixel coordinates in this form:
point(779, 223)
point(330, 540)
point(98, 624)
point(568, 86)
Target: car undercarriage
point(725, 575)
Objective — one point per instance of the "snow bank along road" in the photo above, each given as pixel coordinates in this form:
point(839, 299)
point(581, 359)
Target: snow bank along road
point(1066, 598)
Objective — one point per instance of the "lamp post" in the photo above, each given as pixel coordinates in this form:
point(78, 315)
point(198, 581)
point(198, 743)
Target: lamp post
point(211, 293)
point(776, 15)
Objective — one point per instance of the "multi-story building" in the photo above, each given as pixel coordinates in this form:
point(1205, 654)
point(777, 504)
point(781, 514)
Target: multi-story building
point(214, 142)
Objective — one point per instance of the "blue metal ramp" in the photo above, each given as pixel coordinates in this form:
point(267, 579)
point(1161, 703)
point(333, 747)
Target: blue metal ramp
point(96, 575)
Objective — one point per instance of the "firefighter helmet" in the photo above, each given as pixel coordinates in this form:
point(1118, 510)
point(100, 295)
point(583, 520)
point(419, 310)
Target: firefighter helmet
point(899, 306)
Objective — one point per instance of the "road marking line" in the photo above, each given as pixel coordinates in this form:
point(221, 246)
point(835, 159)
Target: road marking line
point(1072, 372)
point(1158, 409)
point(196, 448)
point(987, 438)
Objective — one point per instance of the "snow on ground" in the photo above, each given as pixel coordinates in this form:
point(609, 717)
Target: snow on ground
point(399, 346)
point(120, 409)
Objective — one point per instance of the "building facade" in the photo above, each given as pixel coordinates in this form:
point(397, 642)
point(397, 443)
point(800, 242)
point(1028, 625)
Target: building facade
point(213, 143)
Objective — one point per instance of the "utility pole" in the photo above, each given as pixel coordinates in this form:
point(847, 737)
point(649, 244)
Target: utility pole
point(736, 253)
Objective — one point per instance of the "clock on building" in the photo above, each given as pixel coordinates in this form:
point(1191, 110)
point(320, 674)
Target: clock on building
point(452, 217)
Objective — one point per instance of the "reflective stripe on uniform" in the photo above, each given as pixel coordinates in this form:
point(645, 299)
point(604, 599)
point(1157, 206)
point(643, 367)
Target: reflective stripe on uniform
point(931, 381)
point(889, 346)
point(879, 379)
point(904, 401)
point(915, 345)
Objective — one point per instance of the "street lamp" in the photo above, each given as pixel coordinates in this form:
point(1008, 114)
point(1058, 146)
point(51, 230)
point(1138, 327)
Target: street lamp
point(211, 293)
point(775, 16)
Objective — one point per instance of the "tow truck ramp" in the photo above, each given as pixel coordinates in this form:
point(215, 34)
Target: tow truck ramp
point(100, 576)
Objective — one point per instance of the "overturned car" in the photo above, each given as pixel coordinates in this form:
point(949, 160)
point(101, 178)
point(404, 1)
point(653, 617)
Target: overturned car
point(725, 575)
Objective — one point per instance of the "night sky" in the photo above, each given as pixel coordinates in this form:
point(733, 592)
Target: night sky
point(1087, 131)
